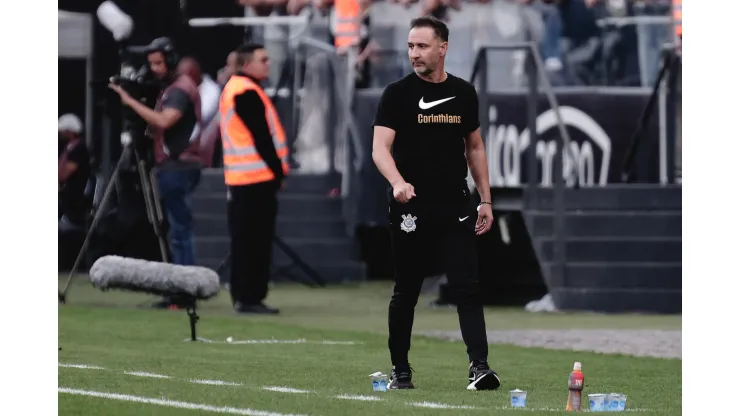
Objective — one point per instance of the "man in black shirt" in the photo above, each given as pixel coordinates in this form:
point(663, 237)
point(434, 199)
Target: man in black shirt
point(430, 121)
point(74, 172)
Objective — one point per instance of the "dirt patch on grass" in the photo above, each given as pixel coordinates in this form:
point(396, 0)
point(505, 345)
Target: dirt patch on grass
point(641, 343)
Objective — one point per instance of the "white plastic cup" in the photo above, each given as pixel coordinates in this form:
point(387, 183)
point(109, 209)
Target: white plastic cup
point(622, 402)
point(380, 381)
point(518, 398)
point(612, 402)
point(597, 402)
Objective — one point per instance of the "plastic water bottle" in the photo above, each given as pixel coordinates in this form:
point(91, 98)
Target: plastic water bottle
point(575, 388)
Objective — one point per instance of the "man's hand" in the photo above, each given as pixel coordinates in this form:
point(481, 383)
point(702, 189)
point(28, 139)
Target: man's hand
point(403, 192)
point(485, 219)
point(159, 119)
point(125, 98)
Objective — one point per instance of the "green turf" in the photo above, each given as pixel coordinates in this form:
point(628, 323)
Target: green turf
point(111, 331)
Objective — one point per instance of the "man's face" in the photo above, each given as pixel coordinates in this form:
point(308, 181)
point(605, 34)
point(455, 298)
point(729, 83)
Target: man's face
point(157, 64)
point(425, 50)
point(66, 135)
point(190, 67)
point(259, 66)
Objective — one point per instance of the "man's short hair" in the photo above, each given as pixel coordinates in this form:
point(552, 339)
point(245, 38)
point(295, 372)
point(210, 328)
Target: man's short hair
point(440, 28)
point(245, 52)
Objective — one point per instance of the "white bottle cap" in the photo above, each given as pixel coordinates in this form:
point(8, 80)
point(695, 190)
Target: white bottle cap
point(576, 365)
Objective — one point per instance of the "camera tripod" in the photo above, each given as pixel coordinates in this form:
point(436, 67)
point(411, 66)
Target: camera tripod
point(313, 280)
point(151, 200)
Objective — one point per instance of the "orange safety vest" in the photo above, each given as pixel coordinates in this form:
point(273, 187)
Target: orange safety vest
point(677, 18)
point(242, 163)
point(347, 23)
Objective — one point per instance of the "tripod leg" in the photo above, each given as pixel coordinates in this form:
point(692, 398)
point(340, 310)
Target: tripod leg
point(296, 277)
point(153, 211)
point(96, 218)
point(152, 204)
point(155, 195)
point(141, 167)
point(158, 214)
point(298, 261)
point(223, 264)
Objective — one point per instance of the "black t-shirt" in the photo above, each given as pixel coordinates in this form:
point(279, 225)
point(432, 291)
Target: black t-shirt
point(177, 137)
point(431, 121)
point(72, 194)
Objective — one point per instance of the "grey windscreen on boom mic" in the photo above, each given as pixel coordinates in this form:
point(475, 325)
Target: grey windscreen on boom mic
point(114, 272)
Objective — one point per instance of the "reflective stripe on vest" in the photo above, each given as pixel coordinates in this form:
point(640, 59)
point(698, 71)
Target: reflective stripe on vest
point(347, 22)
point(677, 17)
point(242, 163)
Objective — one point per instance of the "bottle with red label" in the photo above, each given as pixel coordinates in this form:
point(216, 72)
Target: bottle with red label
point(575, 388)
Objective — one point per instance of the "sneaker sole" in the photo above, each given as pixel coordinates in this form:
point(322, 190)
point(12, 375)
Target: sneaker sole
point(489, 381)
point(401, 387)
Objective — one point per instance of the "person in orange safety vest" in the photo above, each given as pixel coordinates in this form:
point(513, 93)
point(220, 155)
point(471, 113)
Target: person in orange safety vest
point(255, 156)
point(347, 23)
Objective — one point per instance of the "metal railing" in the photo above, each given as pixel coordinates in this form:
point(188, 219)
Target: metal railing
point(664, 95)
point(535, 71)
point(651, 31)
point(322, 111)
point(634, 62)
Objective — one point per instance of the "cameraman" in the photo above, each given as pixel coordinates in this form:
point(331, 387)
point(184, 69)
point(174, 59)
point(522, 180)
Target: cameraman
point(172, 125)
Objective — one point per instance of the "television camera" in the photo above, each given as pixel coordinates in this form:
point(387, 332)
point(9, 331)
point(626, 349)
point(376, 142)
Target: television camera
point(140, 84)
point(137, 153)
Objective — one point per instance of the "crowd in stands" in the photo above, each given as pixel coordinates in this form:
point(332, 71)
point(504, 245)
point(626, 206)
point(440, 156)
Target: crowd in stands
point(578, 41)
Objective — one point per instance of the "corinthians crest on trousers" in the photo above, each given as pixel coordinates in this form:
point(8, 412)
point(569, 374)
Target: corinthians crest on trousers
point(409, 223)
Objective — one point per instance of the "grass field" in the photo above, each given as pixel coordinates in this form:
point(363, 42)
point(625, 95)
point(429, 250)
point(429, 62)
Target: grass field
point(118, 357)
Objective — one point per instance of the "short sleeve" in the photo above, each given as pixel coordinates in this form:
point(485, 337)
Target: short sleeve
point(177, 99)
point(388, 114)
point(471, 119)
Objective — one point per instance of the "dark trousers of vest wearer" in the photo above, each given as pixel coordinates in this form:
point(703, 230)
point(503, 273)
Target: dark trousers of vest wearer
point(417, 237)
point(252, 210)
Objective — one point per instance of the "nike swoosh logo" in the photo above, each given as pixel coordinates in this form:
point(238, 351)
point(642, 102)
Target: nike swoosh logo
point(463, 219)
point(426, 106)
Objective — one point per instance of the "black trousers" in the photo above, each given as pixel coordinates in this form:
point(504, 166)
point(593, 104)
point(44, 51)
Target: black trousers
point(419, 237)
point(252, 210)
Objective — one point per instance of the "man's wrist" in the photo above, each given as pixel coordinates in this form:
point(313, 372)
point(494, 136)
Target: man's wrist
point(397, 182)
point(482, 203)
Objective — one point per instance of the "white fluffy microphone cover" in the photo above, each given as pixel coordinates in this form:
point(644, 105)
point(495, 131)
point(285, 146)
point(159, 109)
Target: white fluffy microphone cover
point(115, 272)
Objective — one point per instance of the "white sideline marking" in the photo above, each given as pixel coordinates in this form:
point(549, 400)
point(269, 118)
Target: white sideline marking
point(172, 403)
point(206, 340)
point(279, 389)
point(276, 341)
point(215, 382)
point(293, 341)
point(433, 405)
point(328, 342)
point(552, 409)
point(285, 389)
point(84, 366)
point(144, 374)
point(358, 397)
